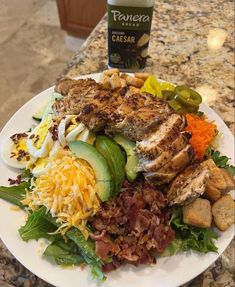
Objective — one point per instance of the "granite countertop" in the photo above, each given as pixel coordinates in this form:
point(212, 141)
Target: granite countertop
point(191, 44)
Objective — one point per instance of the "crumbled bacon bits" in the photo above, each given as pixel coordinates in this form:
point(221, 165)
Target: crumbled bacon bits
point(20, 155)
point(15, 181)
point(16, 137)
point(54, 131)
point(132, 227)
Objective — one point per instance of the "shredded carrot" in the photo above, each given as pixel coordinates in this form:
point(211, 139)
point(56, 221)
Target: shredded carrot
point(203, 133)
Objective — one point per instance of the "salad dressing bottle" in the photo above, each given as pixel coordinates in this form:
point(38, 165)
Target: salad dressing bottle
point(129, 25)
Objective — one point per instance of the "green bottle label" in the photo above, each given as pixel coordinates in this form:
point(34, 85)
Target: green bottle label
point(128, 36)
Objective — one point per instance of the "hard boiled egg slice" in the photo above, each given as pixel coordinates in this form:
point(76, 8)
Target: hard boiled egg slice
point(62, 129)
point(55, 150)
point(84, 136)
point(42, 165)
point(40, 140)
point(68, 129)
point(81, 133)
point(91, 138)
point(75, 132)
point(14, 151)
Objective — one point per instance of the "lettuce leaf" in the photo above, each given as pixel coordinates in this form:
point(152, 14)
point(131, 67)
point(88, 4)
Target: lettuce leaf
point(37, 226)
point(40, 223)
point(192, 238)
point(64, 253)
point(220, 160)
point(14, 194)
point(86, 246)
point(172, 248)
point(87, 249)
point(26, 174)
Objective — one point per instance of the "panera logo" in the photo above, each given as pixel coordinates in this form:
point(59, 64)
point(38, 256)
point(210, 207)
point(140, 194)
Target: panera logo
point(137, 18)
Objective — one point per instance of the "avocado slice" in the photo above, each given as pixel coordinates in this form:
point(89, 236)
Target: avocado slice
point(104, 184)
point(132, 158)
point(39, 113)
point(46, 109)
point(115, 159)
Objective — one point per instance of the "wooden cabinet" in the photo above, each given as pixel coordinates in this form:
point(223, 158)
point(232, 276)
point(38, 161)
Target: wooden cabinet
point(79, 17)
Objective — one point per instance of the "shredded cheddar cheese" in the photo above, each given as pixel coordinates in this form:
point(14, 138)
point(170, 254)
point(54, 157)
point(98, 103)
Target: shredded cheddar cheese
point(68, 192)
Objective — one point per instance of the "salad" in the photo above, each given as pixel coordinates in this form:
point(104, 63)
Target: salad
point(123, 171)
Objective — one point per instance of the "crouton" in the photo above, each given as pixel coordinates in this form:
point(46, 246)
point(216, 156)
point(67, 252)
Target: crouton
point(123, 82)
point(220, 182)
point(198, 213)
point(115, 82)
point(212, 192)
point(105, 80)
point(110, 72)
point(230, 184)
point(132, 81)
point(142, 76)
point(223, 212)
point(215, 175)
point(124, 76)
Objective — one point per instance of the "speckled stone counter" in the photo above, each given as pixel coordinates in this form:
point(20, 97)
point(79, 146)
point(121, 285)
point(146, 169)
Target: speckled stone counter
point(192, 42)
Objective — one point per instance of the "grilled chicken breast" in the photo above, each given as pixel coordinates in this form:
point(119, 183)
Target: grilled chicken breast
point(164, 135)
point(162, 146)
point(90, 101)
point(188, 185)
point(65, 85)
point(166, 155)
point(139, 115)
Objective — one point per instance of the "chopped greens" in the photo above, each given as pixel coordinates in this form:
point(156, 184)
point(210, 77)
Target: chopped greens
point(86, 246)
point(64, 253)
point(37, 226)
point(14, 194)
point(189, 237)
point(220, 160)
point(40, 223)
point(172, 248)
point(200, 113)
point(26, 174)
point(87, 249)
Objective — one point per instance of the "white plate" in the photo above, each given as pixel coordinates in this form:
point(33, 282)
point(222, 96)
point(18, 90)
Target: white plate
point(168, 272)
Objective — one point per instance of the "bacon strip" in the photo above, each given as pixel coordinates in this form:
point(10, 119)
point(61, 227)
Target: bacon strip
point(132, 227)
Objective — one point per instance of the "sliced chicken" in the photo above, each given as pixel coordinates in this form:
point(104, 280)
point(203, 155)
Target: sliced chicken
point(91, 102)
point(179, 161)
point(64, 86)
point(139, 115)
point(162, 145)
point(177, 145)
point(71, 103)
point(161, 138)
point(169, 171)
point(188, 185)
point(96, 114)
point(159, 178)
